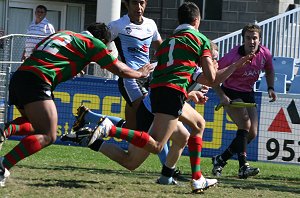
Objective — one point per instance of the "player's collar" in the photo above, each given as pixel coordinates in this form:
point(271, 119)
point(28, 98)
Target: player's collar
point(184, 27)
point(86, 33)
point(136, 23)
point(241, 50)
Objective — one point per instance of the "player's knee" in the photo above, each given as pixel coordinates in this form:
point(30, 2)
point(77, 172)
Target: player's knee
point(244, 124)
point(131, 166)
point(182, 140)
point(49, 139)
point(198, 127)
point(185, 139)
point(252, 135)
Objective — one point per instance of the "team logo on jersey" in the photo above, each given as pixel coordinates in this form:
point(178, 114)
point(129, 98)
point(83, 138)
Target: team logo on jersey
point(251, 73)
point(144, 48)
point(128, 30)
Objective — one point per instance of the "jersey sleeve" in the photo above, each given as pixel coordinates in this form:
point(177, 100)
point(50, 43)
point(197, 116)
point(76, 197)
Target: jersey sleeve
point(113, 28)
point(206, 48)
point(50, 29)
point(102, 55)
point(156, 35)
point(269, 61)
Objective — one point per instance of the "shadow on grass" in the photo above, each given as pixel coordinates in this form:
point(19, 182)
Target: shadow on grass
point(84, 181)
point(261, 183)
point(64, 183)
point(290, 185)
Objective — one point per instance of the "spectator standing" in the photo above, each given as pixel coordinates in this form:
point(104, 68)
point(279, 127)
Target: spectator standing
point(40, 26)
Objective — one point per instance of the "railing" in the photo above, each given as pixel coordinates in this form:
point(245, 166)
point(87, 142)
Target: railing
point(11, 50)
point(280, 34)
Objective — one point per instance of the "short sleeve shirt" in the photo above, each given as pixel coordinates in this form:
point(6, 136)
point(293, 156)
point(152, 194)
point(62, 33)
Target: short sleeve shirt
point(244, 78)
point(44, 28)
point(133, 41)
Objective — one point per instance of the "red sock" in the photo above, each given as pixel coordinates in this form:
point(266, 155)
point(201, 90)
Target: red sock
point(19, 126)
point(195, 148)
point(137, 138)
point(27, 146)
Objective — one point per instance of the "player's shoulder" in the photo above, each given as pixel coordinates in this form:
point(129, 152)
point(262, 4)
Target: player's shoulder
point(124, 20)
point(235, 49)
point(148, 20)
point(264, 49)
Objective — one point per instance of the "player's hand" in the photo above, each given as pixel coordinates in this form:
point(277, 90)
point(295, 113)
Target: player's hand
point(204, 89)
point(146, 70)
point(197, 97)
point(272, 95)
point(225, 101)
point(244, 60)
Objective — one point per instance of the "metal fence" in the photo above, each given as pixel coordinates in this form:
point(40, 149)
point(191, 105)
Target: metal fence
point(12, 47)
point(280, 34)
point(11, 50)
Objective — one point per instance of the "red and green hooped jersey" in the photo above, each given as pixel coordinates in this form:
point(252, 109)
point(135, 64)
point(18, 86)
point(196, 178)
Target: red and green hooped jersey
point(178, 57)
point(62, 55)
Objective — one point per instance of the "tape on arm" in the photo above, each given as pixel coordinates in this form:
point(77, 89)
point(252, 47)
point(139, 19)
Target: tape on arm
point(197, 73)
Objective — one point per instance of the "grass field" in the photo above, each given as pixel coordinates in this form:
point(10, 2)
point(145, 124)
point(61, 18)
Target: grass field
point(67, 171)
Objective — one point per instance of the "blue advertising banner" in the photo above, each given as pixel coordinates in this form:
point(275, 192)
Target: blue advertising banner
point(102, 96)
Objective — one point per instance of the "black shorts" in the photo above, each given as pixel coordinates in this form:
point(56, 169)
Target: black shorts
point(245, 96)
point(167, 100)
point(25, 87)
point(144, 118)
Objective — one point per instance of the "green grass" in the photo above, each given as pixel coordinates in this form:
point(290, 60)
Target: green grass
point(67, 171)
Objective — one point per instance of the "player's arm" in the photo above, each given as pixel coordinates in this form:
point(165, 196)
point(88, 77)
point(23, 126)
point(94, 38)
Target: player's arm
point(156, 44)
point(122, 70)
point(224, 100)
point(223, 74)
point(270, 76)
point(208, 68)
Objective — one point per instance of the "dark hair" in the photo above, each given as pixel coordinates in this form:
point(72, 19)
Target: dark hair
point(188, 12)
point(251, 28)
point(100, 31)
point(129, 0)
point(41, 7)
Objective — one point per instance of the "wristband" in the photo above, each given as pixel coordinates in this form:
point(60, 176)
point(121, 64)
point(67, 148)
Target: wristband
point(270, 88)
point(196, 74)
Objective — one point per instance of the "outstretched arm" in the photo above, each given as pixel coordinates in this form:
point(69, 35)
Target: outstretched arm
point(223, 74)
point(122, 70)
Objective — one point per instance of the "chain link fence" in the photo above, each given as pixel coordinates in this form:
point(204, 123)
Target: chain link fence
point(11, 51)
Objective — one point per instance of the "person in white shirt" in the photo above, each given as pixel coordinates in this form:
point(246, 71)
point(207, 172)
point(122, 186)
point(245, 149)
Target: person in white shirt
point(40, 26)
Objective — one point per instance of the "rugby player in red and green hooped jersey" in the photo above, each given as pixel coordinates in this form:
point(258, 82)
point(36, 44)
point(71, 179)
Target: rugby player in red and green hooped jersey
point(178, 57)
point(57, 58)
